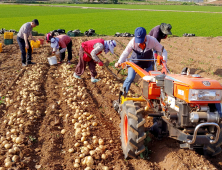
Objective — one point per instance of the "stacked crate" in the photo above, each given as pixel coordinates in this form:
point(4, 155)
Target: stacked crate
point(34, 33)
point(8, 38)
point(71, 34)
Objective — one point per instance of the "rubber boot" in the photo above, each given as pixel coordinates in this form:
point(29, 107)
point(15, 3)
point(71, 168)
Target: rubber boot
point(94, 80)
point(78, 77)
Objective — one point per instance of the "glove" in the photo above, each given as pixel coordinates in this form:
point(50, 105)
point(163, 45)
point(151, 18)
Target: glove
point(57, 53)
point(100, 63)
point(155, 55)
point(117, 65)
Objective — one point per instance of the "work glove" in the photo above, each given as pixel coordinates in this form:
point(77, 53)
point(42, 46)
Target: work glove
point(165, 37)
point(57, 53)
point(117, 65)
point(155, 55)
point(100, 63)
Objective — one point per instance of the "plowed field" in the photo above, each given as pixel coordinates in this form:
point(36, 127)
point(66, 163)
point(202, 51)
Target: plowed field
point(49, 120)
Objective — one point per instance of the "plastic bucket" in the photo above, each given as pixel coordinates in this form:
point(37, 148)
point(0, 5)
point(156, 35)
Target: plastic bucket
point(0, 47)
point(41, 41)
point(52, 60)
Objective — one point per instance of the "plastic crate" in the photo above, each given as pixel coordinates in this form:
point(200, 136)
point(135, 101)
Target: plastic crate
point(35, 44)
point(71, 34)
point(0, 47)
point(34, 33)
point(8, 35)
point(8, 41)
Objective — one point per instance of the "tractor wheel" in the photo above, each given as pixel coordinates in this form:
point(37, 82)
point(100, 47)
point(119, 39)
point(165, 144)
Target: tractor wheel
point(213, 149)
point(132, 129)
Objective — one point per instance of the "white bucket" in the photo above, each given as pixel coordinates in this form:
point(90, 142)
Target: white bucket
point(52, 60)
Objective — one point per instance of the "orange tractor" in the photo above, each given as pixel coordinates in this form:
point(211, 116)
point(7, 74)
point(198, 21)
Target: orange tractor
point(184, 107)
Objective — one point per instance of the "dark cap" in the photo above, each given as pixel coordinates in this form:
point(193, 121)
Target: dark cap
point(140, 34)
point(166, 28)
point(35, 21)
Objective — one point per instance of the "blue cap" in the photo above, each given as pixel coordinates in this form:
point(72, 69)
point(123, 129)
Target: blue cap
point(140, 34)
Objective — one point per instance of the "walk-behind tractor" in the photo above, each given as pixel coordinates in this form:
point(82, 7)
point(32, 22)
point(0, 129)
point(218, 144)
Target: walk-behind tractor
point(184, 107)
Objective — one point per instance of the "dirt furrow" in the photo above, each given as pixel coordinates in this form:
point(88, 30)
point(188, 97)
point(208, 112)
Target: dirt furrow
point(61, 120)
point(50, 140)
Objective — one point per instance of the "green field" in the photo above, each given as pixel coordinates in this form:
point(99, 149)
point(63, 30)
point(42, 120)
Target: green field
point(109, 22)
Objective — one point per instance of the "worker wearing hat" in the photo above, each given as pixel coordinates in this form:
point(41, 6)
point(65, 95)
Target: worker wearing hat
point(161, 32)
point(22, 38)
point(142, 46)
point(49, 36)
point(62, 42)
point(88, 54)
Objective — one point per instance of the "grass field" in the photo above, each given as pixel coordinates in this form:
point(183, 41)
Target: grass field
point(109, 22)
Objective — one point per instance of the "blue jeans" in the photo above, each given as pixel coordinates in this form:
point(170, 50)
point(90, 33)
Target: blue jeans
point(21, 43)
point(131, 75)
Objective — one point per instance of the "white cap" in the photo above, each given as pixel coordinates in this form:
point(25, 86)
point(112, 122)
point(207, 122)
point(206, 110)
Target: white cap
point(111, 44)
point(54, 42)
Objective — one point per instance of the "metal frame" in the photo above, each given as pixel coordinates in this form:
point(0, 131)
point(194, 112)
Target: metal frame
point(205, 124)
point(177, 134)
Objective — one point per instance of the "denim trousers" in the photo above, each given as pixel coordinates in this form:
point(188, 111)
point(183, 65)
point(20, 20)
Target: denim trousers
point(131, 75)
point(21, 43)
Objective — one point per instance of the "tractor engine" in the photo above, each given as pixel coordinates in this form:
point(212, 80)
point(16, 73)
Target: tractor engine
point(187, 107)
point(187, 115)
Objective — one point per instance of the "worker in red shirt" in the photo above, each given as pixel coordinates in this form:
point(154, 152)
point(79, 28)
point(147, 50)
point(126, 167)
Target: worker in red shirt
point(88, 54)
point(62, 42)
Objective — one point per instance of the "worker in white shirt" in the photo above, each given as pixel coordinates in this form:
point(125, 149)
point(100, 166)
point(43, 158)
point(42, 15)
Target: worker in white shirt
point(142, 46)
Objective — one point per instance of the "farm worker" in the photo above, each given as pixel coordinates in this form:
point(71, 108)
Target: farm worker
point(49, 36)
point(161, 32)
point(23, 42)
point(88, 54)
point(142, 46)
point(62, 42)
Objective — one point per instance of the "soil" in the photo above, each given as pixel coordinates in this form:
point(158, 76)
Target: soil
point(39, 99)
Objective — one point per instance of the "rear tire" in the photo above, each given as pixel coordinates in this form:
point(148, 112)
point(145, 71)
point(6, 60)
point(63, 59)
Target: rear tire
point(132, 129)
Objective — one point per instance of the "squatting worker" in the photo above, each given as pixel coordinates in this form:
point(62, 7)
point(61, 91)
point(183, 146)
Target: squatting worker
point(142, 46)
point(62, 42)
point(88, 54)
point(161, 32)
point(22, 37)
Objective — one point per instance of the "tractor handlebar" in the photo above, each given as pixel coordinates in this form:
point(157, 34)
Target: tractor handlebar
point(159, 60)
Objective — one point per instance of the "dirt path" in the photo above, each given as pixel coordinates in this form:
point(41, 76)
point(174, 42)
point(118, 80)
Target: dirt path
point(122, 9)
point(43, 100)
